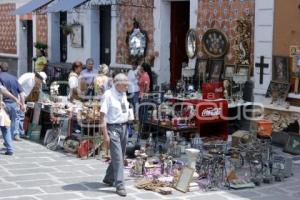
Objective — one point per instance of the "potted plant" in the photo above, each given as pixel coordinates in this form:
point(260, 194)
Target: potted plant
point(40, 45)
point(67, 29)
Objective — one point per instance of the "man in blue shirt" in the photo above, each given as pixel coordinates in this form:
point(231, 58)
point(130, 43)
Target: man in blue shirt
point(87, 75)
point(11, 83)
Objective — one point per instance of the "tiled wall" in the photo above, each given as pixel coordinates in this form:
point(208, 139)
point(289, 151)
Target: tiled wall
point(222, 14)
point(42, 28)
point(126, 14)
point(7, 29)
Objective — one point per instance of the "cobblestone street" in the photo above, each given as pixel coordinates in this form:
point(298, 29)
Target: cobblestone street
point(36, 173)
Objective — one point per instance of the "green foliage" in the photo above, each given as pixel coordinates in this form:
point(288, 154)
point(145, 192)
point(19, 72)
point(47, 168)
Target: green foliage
point(40, 45)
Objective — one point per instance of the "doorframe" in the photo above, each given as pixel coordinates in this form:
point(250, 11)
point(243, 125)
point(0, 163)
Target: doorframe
point(162, 36)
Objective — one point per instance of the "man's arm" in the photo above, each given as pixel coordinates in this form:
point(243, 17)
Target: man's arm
point(6, 93)
point(22, 101)
point(104, 129)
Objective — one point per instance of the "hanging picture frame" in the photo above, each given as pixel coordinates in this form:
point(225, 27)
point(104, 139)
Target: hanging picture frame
point(77, 36)
point(215, 69)
point(280, 69)
point(229, 70)
point(244, 69)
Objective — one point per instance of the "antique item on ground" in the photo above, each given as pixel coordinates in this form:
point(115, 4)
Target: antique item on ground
point(262, 127)
point(215, 69)
point(280, 70)
point(137, 41)
point(191, 43)
point(185, 179)
point(293, 144)
point(242, 41)
point(282, 165)
point(193, 155)
point(215, 43)
point(278, 91)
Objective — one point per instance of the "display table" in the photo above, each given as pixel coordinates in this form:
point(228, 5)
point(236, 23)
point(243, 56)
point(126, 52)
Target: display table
point(280, 116)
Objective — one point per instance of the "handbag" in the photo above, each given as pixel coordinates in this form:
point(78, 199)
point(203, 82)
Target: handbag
point(4, 118)
point(84, 148)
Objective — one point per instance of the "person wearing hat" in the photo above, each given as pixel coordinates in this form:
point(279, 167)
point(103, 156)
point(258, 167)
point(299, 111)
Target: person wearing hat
point(10, 82)
point(101, 81)
point(28, 82)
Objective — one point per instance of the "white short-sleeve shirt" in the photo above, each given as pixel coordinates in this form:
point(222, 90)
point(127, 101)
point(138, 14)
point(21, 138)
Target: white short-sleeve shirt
point(27, 82)
point(73, 81)
point(111, 106)
point(133, 81)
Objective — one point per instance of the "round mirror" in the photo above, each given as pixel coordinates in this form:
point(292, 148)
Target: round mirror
point(191, 43)
point(137, 42)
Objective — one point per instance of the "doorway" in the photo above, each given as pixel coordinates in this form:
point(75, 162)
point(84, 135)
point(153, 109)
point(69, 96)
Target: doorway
point(105, 34)
point(180, 20)
point(63, 38)
point(29, 45)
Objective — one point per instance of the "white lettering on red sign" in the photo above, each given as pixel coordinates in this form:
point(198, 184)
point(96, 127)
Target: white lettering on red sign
point(220, 89)
point(211, 112)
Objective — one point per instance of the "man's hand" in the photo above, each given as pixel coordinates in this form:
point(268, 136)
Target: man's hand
point(23, 107)
point(106, 140)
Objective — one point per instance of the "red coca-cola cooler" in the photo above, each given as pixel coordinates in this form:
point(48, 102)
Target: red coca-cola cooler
point(212, 91)
point(211, 118)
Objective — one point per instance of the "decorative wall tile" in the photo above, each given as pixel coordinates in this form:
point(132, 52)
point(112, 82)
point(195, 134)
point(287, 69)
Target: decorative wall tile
point(126, 14)
point(7, 29)
point(228, 11)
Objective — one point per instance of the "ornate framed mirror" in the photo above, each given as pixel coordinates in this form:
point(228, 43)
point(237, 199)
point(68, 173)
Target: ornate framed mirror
point(215, 43)
point(191, 43)
point(137, 41)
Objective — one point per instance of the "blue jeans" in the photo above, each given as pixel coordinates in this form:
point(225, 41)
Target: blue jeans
point(7, 138)
point(20, 123)
point(12, 110)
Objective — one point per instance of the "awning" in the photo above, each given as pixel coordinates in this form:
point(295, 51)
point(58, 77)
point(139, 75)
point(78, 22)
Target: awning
point(31, 6)
point(65, 5)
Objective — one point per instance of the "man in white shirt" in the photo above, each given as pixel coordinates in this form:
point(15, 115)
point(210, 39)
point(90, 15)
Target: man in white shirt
point(28, 81)
point(133, 87)
point(114, 118)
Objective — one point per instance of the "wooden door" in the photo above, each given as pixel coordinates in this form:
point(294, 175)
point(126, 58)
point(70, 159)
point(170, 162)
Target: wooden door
point(180, 18)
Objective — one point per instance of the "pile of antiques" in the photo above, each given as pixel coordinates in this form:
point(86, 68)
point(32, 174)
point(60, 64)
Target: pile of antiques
point(245, 162)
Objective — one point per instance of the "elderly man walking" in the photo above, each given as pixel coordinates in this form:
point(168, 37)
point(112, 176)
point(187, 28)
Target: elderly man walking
point(114, 116)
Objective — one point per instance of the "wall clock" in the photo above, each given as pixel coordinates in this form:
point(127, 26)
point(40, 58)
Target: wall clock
point(215, 43)
point(191, 43)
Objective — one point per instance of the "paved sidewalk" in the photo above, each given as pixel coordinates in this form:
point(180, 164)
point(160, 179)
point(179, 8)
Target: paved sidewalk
point(36, 173)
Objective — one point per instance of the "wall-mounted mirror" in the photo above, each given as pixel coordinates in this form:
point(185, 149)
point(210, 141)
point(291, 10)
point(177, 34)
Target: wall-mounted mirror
point(137, 41)
point(191, 43)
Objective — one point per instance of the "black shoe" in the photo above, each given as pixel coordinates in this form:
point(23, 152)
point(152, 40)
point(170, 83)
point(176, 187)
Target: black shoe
point(121, 191)
point(9, 153)
point(107, 182)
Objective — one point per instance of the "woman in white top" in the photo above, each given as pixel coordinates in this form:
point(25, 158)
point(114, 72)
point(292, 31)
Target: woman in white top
point(133, 86)
point(73, 81)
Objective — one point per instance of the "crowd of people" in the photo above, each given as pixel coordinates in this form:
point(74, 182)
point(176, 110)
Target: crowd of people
point(115, 91)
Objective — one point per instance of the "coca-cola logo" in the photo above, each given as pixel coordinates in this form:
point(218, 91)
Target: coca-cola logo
point(211, 112)
point(220, 89)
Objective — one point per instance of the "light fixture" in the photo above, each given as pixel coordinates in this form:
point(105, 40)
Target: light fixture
point(24, 25)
